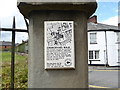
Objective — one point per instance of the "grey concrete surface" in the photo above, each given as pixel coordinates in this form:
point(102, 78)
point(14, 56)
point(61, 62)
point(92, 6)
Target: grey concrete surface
point(26, 6)
point(38, 77)
point(59, 1)
point(41, 78)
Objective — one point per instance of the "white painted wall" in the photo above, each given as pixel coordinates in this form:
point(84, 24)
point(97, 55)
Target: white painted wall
point(112, 47)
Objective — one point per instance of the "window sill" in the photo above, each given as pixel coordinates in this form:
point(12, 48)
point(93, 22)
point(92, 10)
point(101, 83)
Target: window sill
point(93, 43)
point(95, 60)
point(117, 43)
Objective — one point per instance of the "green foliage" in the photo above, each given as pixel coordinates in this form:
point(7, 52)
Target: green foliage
point(22, 47)
point(6, 77)
point(21, 70)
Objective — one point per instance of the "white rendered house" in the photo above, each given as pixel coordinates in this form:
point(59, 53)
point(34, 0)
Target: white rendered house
point(103, 44)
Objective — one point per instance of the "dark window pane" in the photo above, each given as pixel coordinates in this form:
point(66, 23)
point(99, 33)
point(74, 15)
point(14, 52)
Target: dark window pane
point(96, 54)
point(93, 38)
point(90, 54)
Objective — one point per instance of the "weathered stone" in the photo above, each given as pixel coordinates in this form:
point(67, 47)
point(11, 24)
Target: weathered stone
point(27, 6)
point(38, 12)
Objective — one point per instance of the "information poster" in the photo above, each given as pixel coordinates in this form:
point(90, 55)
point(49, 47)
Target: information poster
point(59, 45)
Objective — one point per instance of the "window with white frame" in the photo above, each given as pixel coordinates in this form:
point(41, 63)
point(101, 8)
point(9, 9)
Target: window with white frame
point(94, 55)
point(93, 38)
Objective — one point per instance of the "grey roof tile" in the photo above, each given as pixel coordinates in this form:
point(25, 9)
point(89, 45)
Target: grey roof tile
point(5, 43)
point(99, 26)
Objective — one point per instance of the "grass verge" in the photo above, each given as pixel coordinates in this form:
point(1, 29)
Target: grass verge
point(21, 70)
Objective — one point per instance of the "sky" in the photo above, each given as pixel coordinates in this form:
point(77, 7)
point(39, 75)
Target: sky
point(107, 13)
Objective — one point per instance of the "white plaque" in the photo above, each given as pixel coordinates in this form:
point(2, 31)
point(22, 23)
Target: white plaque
point(59, 45)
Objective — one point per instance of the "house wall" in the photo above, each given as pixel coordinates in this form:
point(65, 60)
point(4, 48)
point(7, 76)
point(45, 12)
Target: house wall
point(100, 46)
point(112, 48)
point(118, 47)
point(5, 48)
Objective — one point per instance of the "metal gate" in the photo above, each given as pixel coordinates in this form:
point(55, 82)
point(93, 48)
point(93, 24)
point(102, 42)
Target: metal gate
point(14, 30)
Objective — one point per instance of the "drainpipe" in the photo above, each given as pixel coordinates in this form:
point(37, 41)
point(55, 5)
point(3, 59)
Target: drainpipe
point(106, 49)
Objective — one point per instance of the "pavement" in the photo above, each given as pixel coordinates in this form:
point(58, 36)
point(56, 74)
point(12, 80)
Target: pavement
point(103, 68)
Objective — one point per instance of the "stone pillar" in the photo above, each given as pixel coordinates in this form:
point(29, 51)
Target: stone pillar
point(39, 12)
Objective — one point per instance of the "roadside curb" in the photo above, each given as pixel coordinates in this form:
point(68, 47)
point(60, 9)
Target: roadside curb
point(94, 86)
point(103, 68)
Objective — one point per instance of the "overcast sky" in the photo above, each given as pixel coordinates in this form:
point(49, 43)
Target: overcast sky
point(107, 13)
point(8, 9)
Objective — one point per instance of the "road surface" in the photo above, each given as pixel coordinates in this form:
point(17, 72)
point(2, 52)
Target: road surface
point(104, 78)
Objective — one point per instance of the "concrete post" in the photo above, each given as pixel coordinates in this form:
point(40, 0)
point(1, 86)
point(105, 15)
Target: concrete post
point(39, 12)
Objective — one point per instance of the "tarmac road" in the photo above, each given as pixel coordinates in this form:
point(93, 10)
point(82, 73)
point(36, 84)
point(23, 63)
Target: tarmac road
point(108, 78)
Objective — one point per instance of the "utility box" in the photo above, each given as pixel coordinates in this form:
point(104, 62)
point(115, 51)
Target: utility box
point(57, 42)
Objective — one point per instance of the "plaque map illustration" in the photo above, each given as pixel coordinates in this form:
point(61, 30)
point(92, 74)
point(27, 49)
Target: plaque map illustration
point(59, 33)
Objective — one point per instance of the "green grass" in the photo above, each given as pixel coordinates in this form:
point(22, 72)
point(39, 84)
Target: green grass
point(21, 70)
point(6, 56)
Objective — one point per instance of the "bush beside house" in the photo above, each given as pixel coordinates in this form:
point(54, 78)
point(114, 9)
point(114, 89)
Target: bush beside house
point(23, 47)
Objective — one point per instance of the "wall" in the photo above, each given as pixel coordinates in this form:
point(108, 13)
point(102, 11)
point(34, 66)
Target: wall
point(100, 46)
point(5, 48)
point(112, 48)
point(38, 77)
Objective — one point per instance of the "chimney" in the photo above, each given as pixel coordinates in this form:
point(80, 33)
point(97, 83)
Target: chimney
point(118, 25)
point(93, 19)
